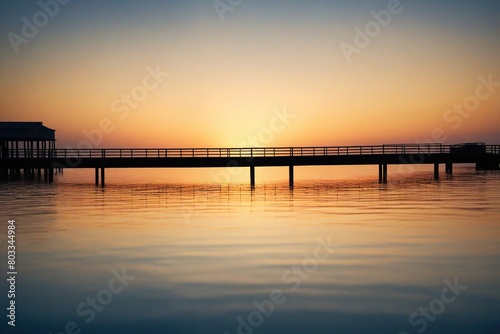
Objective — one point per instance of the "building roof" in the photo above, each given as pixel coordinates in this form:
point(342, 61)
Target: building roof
point(26, 131)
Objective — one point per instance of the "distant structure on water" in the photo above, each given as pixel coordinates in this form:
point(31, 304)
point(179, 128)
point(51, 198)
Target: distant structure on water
point(27, 139)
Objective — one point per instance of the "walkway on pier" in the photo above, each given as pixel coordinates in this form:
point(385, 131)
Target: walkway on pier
point(484, 156)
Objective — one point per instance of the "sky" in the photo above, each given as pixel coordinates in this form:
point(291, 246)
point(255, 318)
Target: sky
point(230, 73)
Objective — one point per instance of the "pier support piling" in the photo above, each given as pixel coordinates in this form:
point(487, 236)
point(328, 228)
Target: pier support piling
point(102, 176)
point(252, 176)
point(51, 174)
point(436, 171)
point(97, 176)
point(449, 168)
point(290, 176)
point(382, 173)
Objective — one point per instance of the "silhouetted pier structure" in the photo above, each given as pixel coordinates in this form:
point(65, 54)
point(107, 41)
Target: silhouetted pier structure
point(484, 156)
point(24, 140)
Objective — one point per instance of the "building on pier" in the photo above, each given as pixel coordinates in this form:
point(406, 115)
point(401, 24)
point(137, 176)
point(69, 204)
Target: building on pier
point(26, 140)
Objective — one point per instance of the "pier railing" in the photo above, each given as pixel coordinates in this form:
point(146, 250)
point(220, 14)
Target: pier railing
point(250, 152)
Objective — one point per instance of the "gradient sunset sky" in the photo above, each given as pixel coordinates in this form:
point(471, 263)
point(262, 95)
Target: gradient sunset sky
point(226, 78)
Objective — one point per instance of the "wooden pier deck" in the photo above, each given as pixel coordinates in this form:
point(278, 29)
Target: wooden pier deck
point(30, 161)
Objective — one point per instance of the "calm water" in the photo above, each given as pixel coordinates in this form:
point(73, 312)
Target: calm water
point(169, 251)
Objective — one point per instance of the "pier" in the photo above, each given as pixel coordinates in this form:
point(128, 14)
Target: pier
point(12, 160)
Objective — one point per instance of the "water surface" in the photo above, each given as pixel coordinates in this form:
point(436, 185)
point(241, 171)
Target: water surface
point(203, 254)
